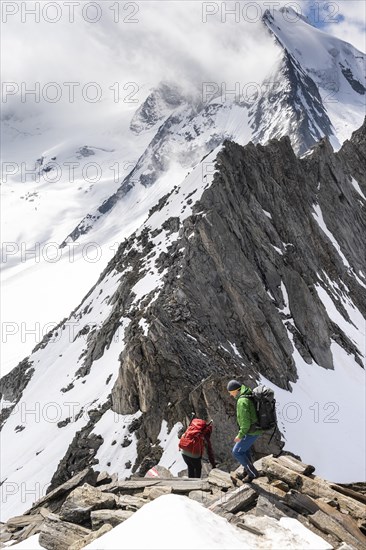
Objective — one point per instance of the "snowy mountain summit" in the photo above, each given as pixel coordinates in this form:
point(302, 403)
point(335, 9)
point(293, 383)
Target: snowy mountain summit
point(316, 89)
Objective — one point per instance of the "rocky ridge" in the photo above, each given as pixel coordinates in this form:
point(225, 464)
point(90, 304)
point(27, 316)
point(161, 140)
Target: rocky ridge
point(227, 277)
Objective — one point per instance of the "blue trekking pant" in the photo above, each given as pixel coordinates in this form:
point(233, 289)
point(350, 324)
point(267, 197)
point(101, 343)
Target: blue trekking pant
point(241, 451)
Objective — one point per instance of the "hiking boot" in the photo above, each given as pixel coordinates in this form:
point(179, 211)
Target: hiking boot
point(241, 475)
point(237, 477)
point(249, 478)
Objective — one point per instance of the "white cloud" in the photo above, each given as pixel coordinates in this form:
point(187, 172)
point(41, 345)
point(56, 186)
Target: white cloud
point(345, 19)
point(170, 41)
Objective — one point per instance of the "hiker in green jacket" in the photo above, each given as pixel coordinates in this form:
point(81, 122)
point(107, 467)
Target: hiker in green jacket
point(248, 432)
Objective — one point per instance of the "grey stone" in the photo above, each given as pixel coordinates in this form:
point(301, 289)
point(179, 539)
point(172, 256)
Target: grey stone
point(82, 501)
point(5, 536)
point(79, 544)
point(220, 479)
point(235, 501)
point(60, 535)
point(154, 492)
point(203, 497)
point(113, 517)
point(130, 502)
point(56, 497)
point(103, 478)
point(161, 472)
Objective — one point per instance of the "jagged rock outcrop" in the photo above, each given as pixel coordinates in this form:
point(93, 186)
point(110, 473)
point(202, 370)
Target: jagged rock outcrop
point(308, 120)
point(12, 386)
point(245, 270)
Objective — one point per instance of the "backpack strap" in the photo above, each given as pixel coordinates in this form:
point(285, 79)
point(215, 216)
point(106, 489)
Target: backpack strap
point(246, 396)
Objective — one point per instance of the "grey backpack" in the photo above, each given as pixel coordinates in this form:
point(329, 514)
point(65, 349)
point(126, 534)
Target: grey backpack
point(265, 405)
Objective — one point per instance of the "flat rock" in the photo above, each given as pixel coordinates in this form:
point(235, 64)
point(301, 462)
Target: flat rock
point(266, 507)
point(178, 485)
point(113, 517)
point(220, 479)
point(262, 484)
point(60, 535)
point(130, 486)
point(280, 485)
point(296, 465)
point(155, 492)
point(258, 464)
point(5, 536)
point(130, 502)
point(78, 545)
point(235, 501)
point(18, 522)
point(104, 478)
point(82, 500)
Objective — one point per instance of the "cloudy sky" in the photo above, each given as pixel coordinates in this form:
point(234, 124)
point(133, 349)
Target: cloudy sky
point(114, 44)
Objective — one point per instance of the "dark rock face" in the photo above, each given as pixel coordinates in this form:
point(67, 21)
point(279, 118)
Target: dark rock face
point(12, 386)
point(291, 90)
point(243, 272)
point(224, 284)
point(81, 451)
point(356, 84)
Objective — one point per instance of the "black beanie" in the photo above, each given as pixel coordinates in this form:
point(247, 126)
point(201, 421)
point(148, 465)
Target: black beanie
point(233, 385)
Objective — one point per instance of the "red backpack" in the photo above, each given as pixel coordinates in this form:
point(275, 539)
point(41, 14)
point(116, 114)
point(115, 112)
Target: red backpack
point(192, 440)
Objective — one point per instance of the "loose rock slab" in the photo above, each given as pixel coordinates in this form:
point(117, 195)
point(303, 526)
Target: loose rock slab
point(82, 501)
point(155, 492)
point(113, 517)
point(92, 536)
point(220, 479)
point(130, 502)
point(178, 485)
point(60, 535)
point(235, 501)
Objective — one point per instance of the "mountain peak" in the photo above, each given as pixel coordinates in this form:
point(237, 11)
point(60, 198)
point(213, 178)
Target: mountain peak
point(293, 15)
point(286, 14)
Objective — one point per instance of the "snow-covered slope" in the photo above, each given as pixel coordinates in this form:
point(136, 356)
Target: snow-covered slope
point(71, 379)
point(51, 184)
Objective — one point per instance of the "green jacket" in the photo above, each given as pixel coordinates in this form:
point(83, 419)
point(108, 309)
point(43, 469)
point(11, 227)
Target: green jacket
point(246, 414)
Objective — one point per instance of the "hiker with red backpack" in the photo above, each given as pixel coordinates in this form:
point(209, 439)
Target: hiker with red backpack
point(248, 423)
point(193, 443)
